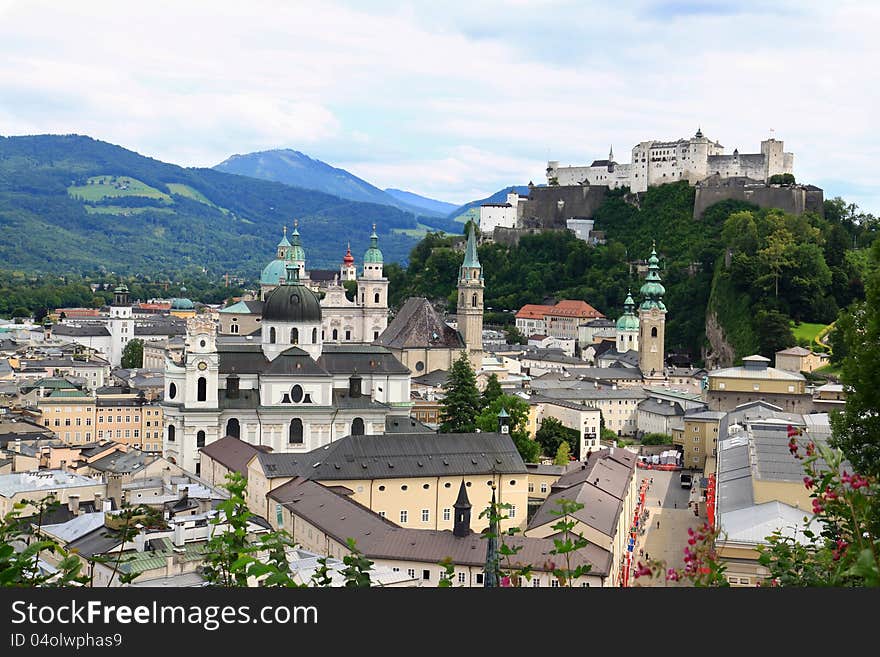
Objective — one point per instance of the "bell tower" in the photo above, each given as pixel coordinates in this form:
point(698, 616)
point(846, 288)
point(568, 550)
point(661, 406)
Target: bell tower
point(652, 322)
point(470, 301)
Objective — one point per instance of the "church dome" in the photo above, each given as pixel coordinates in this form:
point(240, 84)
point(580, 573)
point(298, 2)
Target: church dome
point(628, 322)
point(373, 254)
point(273, 273)
point(182, 304)
point(291, 302)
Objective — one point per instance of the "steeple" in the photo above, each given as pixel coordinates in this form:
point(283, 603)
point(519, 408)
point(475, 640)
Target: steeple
point(462, 507)
point(611, 154)
point(490, 570)
point(373, 255)
point(470, 301)
point(653, 289)
point(470, 253)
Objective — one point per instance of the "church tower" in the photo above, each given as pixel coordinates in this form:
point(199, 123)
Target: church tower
point(298, 253)
point(348, 271)
point(628, 327)
point(121, 324)
point(652, 322)
point(373, 292)
point(470, 301)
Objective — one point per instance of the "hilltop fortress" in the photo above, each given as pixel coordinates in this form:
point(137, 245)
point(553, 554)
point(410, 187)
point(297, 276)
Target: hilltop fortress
point(659, 162)
point(574, 193)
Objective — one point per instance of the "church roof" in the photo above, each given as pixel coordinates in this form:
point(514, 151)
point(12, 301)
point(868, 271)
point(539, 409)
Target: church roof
point(417, 324)
point(244, 308)
point(273, 273)
point(86, 330)
point(470, 254)
point(365, 359)
point(249, 359)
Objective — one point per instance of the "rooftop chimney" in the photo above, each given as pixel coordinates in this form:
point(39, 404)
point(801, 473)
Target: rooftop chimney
point(179, 535)
point(73, 504)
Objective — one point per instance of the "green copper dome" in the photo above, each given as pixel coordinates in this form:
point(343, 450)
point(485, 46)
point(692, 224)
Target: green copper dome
point(653, 289)
point(182, 304)
point(297, 253)
point(628, 321)
point(273, 273)
point(373, 254)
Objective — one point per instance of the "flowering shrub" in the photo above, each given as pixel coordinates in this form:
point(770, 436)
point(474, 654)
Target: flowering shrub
point(702, 566)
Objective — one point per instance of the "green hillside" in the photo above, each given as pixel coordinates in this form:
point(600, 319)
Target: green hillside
point(74, 204)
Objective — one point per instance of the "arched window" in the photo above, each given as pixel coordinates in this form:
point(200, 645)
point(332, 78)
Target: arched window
point(202, 393)
point(376, 298)
point(294, 336)
point(233, 428)
point(314, 336)
point(357, 427)
point(474, 300)
point(172, 391)
point(653, 331)
point(171, 433)
point(296, 432)
point(272, 335)
point(335, 334)
point(200, 439)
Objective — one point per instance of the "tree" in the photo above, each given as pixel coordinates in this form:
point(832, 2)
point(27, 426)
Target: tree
point(514, 336)
point(133, 354)
point(351, 290)
point(21, 311)
point(857, 429)
point(461, 402)
point(656, 439)
point(774, 331)
point(563, 454)
point(492, 391)
point(552, 434)
point(518, 410)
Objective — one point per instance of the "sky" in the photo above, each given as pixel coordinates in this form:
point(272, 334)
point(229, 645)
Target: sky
point(452, 100)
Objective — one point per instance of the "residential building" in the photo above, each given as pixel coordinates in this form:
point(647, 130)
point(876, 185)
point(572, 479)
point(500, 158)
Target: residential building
point(619, 406)
point(586, 420)
point(698, 438)
point(754, 380)
point(559, 321)
point(28, 487)
point(798, 359)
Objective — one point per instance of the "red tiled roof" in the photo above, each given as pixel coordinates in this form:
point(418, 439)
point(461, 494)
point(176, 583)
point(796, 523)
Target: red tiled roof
point(565, 308)
point(533, 311)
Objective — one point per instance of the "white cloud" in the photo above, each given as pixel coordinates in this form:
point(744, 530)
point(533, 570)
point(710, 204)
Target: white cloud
point(453, 100)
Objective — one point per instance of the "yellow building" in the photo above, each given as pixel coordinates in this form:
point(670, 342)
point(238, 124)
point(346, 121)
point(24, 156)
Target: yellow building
point(755, 380)
point(699, 437)
point(70, 413)
point(411, 479)
point(798, 359)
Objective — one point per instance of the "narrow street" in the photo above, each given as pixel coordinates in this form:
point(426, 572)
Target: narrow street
point(666, 542)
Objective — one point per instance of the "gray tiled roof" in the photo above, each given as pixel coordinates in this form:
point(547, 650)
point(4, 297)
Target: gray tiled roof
point(366, 359)
point(405, 424)
point(249, 359)
point(233, 453)
point(84, 330)
point(434, 378)
point(659, 407)
point(417, 324)
point(123, 462)
point(400, 455)
point(160, 328)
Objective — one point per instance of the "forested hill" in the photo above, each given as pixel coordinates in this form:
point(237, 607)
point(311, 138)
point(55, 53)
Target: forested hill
point(73, 204)
point(753, 270)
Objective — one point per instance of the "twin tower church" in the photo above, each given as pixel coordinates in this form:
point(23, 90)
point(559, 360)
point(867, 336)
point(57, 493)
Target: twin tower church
point(305, 364)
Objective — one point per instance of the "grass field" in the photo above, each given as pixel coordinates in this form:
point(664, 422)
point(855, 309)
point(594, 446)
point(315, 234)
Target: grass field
point(116, 209)
point(807, 331)
point(101, 187)
point(471, 215)
point(418, 232)
point(185, 190)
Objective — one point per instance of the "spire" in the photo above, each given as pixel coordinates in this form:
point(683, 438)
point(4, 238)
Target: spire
point(348, 260)
point(490, 570)
point(462, 526)
point(470, 253)
point(503, 421)
point(611, 154)
point(653, 289)
point(373, 254)
point(296, 253)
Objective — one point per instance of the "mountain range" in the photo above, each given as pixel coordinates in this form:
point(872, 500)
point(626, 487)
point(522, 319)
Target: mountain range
point(73, 203)
point(299, 170)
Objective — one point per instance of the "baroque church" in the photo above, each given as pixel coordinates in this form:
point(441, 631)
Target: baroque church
point(305, 378)
point(344, 320)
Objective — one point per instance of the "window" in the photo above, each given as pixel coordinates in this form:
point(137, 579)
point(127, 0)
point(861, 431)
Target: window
point(381, 514)
point(696, 439)
point(791, 388)
point(411, 572)
point(296, 394)
point(721, 386)
point(272, 335)
point(137, 433)
point(403, 517)
point(295, 433)
point(78, 421)
point(200, 439)
point(357, 427)
point(531, 487)
point(294, 336)
point(172, 391)
point(233, 328)
point(756, 387)
point(404, 487)
point(474, 298)
point(461, 578)
point(128, 418)
point(170, 433)
point(202, 393)
point(536, 582)
point(512, 511)
point(426, 515)
point(554, 583)
point(375, 335)
point(233, 428)
point(696, 449)
point(335, 334)
point(426, 574)
point(420, 366)
point(315, 336)
point(478, 578)
point(119, 419)
point(544, 487)
point(347, 334)
point(447, 515)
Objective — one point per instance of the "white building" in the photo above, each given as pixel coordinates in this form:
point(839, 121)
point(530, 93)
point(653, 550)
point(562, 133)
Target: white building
point(658, 162)
point(500, 214)
point(290, 391)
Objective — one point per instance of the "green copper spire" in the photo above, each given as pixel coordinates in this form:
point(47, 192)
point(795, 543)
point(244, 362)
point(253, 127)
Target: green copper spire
point(653, 289)
point(284, 241)
point(373, 254)
point(628, 321)
point(470, 252)
point(297, 253)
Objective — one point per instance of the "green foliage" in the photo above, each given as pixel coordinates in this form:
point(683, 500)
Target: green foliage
point(774, 331)
point(492, 390)
point(513, 335)
point(656, 439)
point(566, 542)
point(351, 290)
point(551, 434)
point(518, 409)
point(461, 401)
point(608, 435)
point(133, 354)
point(506, 568)
point(357, 567)
point(845, 550)
point(230, 550)
point(857, 429)
point(21, 548)
point(447, 574)
point(563, 454)
point(781, 179)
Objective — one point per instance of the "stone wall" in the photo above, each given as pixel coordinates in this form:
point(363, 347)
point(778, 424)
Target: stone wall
point(795, 199)
point(552, 206)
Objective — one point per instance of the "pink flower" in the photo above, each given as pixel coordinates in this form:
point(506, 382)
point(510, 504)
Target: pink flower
point(672, 575)
point(808, 482)
point(692, 541)
point(643, 571)
point(830, 494)
point(817, 506)
point(505, 581)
